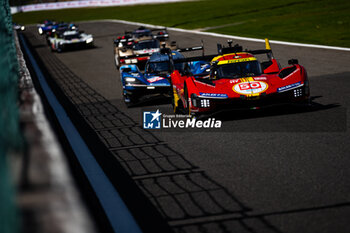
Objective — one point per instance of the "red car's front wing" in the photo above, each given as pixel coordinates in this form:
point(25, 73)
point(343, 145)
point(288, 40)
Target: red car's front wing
point(294, 96)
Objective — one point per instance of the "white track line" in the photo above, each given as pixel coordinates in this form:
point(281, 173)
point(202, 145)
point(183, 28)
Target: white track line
point(227, 36)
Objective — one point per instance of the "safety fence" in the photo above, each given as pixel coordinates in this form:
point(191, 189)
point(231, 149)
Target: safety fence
point(10, 137)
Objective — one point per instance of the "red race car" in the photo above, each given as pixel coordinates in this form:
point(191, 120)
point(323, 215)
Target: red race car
point(234, 79)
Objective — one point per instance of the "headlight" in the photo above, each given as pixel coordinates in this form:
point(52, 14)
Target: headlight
point(53, 30)
point(40, 31)
point(22, 28)
point(205, 103)
point(130, 79)
point(200, 102)
point(89, 40)
point(298, 92)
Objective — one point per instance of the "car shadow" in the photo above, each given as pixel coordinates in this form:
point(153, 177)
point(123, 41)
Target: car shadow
point(152, 101)
point(242, 114)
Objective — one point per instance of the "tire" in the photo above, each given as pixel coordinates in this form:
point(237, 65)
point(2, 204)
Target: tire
point(59, 48)
point(129, 100)
point(187, 110)
point(116, 60)
point(305, 104)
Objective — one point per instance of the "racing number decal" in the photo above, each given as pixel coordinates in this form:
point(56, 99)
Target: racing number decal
point(248, 88)
point(251, 85)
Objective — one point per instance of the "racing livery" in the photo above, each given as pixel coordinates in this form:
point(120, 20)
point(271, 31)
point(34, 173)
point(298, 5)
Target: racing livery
point(154, 81)
point(137, 46)
point(235, 79)
point(64, 40)
point(59, 28)
point(46, 26)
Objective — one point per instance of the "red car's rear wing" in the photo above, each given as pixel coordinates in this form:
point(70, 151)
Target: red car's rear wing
point(230, 49)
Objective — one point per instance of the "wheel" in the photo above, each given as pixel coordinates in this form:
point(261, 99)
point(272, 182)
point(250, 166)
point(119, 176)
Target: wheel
point(129, 99)
point(305, 104)
point(187, 109)
point(117, 62)
point(59, 48)
point(91, 45)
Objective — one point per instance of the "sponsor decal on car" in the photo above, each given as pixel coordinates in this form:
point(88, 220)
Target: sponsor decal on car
point(235, 81)
point(155, 79)
point(144, 51)
point(288, 87)
point(212, 95)
point(260, 78)
point(236, 60)
point(249, 88)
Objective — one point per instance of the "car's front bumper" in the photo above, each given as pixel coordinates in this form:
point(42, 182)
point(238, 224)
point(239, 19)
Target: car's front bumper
point(208, 105)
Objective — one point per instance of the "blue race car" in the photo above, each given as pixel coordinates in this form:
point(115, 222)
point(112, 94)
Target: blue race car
point(46, 26)
point(154, 81)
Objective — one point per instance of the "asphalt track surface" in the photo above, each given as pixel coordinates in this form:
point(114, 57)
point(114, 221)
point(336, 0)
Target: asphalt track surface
point(274, 170)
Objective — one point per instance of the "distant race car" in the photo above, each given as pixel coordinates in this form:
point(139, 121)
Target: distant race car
point(140, 44)
point(46, 26)
point(18, 27)
point(70, 39)
point(59, 28)
point(234, 79)
point(154, 81)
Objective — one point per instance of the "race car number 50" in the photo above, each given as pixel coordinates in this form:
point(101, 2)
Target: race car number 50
point(248, 88)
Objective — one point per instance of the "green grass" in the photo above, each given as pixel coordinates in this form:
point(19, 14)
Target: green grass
point(324, 22)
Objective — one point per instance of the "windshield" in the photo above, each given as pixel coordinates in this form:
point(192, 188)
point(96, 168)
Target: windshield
point(157, 67)
point(239, 69)
point(71, 37)
point(180, 66)
point(141, 33)
point(149, 44)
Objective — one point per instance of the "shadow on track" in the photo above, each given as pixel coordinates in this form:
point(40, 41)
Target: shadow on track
point(274, 111)
point(186, 198)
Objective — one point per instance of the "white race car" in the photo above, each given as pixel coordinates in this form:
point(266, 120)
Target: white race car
point(69, 40)
point(137, 46)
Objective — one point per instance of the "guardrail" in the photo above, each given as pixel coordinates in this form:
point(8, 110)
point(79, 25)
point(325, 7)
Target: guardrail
point(10, 137)
point(111, 210)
